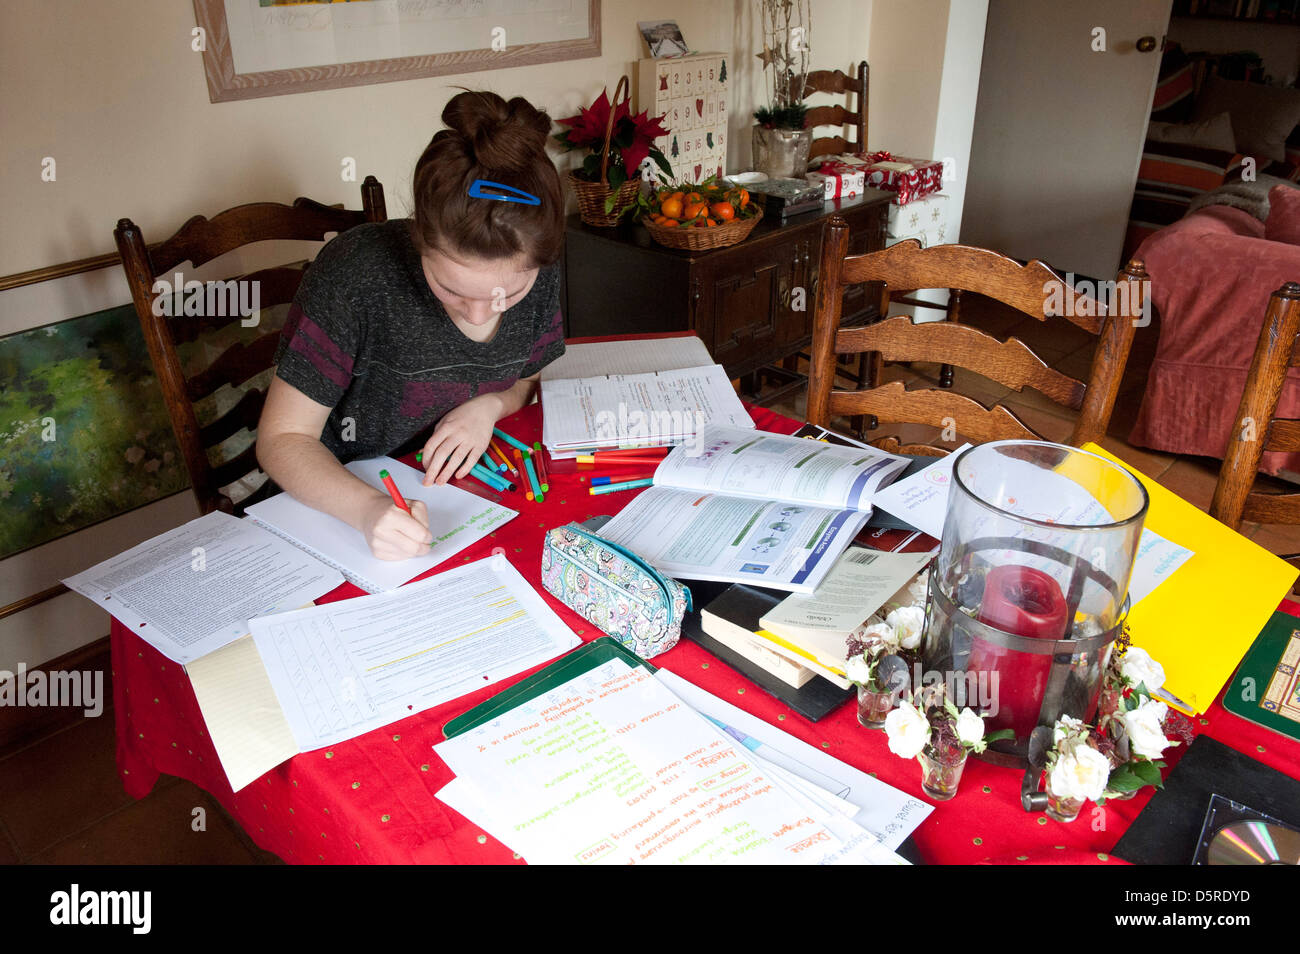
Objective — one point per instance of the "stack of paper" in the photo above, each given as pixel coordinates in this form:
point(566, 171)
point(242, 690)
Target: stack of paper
point(612, 767)
point(655, 392)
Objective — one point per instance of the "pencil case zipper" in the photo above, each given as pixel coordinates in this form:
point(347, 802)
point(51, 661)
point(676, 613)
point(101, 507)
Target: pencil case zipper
point(650, 571)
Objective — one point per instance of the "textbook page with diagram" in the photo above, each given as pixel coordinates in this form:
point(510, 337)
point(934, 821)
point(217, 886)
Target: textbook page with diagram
point(754, 507)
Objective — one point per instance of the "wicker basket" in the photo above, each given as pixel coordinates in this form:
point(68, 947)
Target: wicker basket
point(592, 195)
point(698, 240)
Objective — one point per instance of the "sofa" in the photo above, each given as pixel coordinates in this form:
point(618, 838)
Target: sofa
point(1212, 274)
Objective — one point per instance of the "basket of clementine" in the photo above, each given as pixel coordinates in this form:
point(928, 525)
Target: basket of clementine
point(700, 217)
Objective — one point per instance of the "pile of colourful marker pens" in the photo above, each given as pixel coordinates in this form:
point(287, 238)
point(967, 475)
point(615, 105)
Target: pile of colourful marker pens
point(646, 459)
point(529, 466)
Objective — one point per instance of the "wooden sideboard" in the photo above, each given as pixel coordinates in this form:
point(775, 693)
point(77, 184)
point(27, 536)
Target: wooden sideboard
point(739, 300)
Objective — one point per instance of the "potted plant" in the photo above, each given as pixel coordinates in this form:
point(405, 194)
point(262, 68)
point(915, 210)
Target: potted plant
point(781, 139)
point(931, 729)
point(618, 144)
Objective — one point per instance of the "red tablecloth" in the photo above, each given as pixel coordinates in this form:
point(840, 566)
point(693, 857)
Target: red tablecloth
point(372, 799)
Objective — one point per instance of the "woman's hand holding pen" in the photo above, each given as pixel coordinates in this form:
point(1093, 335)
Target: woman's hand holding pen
point(394, 534)
point(460, 439)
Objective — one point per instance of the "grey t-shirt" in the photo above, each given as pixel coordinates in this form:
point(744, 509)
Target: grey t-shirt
point(367, 337)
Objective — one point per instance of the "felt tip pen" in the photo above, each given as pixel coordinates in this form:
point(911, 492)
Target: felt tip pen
point(623, 485)
point(532, 478)
point(504, 459)
point(619, 478)
point(491, 477)
point(510, 440)
point(393, 491)
point(617, 461)
point(543, 472)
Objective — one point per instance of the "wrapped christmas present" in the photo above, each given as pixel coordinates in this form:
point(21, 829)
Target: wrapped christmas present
point(839, 180)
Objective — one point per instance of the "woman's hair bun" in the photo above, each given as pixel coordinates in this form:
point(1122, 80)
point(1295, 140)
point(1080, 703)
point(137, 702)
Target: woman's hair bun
point(502, 136)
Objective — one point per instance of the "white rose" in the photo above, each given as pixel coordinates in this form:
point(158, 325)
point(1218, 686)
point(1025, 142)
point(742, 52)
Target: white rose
point(907, 623)
point(908, 730)
point(1080, 772)
point(1138, 667)
point(858, 670)
point(1143, 725)
point(970, 727)
point(883, 635)
point(1066, 726)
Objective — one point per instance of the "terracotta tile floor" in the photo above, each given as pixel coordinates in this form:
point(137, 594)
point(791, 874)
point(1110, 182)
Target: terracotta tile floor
point(60, 798)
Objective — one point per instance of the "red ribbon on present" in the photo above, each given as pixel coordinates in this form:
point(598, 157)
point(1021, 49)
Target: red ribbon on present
point(882, 156)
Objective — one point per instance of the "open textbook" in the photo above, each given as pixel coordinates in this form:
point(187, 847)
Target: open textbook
point(754, 507)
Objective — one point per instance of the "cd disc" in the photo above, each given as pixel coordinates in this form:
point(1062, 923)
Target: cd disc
point(1254, 843)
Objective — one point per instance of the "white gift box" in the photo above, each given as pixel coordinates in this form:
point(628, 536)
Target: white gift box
point(925, 219)
point(840, 185)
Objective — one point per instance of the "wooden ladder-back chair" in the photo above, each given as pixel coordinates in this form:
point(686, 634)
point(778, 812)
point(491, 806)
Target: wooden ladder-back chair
point(1256, 430)
point(198, 241)
point(837, 81)
point(1012, 364)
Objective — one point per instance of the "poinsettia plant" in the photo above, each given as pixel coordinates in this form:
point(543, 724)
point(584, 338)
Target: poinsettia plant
point(630, 143)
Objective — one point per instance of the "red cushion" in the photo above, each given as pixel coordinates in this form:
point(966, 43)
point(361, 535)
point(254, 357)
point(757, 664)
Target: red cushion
point(1283, 223)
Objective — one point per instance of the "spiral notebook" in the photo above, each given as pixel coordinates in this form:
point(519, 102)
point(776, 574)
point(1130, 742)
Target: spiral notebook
point(457, 519)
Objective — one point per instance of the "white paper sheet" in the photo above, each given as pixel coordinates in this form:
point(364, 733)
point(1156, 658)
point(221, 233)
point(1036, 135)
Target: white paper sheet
point(613, 768)
point(345, 668)
point(883, 810)
point(192, 590)
point(457, 519)
point(922, 498)
point(637, 356)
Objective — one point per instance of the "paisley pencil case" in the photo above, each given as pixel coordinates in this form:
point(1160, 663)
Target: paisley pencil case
point(614, 589)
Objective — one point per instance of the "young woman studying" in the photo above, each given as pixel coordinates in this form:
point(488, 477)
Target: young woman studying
point(443, 320)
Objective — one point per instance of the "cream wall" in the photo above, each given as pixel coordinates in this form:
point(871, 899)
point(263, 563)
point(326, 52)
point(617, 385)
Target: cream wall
point(113, 92)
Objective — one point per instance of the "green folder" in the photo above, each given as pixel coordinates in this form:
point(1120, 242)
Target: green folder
point(1243, 698)
point(583, 659)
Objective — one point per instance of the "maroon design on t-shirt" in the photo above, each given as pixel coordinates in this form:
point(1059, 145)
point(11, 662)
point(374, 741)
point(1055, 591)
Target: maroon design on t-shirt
point(418, 397)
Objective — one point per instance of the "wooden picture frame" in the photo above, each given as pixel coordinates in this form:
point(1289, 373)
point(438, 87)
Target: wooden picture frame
point(225, 84)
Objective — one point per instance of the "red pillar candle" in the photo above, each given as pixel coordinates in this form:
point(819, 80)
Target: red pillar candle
point(1025, 602)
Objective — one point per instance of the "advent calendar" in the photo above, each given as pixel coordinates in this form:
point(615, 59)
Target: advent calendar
point(691, 93)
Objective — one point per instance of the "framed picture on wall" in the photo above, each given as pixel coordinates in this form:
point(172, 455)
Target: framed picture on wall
point(272, 47)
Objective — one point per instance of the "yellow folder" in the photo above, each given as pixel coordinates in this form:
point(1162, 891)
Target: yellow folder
point(1201, 620)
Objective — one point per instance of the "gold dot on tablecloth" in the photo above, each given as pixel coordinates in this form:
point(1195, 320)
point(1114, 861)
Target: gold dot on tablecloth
point(291, 811)
point(175, 746)
point(1259, 748)
point(326, 811)
point(977, 841)
point(704, 665)
point(740, 691)
point(295, 783)
point(322, 834)
point(355, 786)
point(384, 818)
point(581, 631)
point(873, 774)
point(155, 699)
point(519, 549)
point(1042, 820)
point(1022, 857)
point(780, 718)
point(329, 755)
point(424, 767)
point(482, 839)
point(1205, 722)
point(397, 738)
point(826, 745)
point(517, 856)
point(1102, 856)
point(1059, 847)
point(987, 790)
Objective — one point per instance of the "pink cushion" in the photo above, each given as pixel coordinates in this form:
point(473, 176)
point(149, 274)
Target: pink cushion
point(1283, 223)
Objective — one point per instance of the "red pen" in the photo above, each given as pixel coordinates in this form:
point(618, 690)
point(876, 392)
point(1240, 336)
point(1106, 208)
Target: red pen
point(393, 491)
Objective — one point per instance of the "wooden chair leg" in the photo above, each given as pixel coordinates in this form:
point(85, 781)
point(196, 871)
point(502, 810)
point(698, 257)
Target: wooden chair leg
point(869, 368)
point(954, 315)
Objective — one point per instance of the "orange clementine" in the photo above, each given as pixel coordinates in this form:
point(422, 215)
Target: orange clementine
point(723, 210)
point(694, 209)
point(744, 198)
point(710, 222)
point(672, 207)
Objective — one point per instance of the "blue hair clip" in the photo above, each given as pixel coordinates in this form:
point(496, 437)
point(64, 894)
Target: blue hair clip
point(507, 194)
